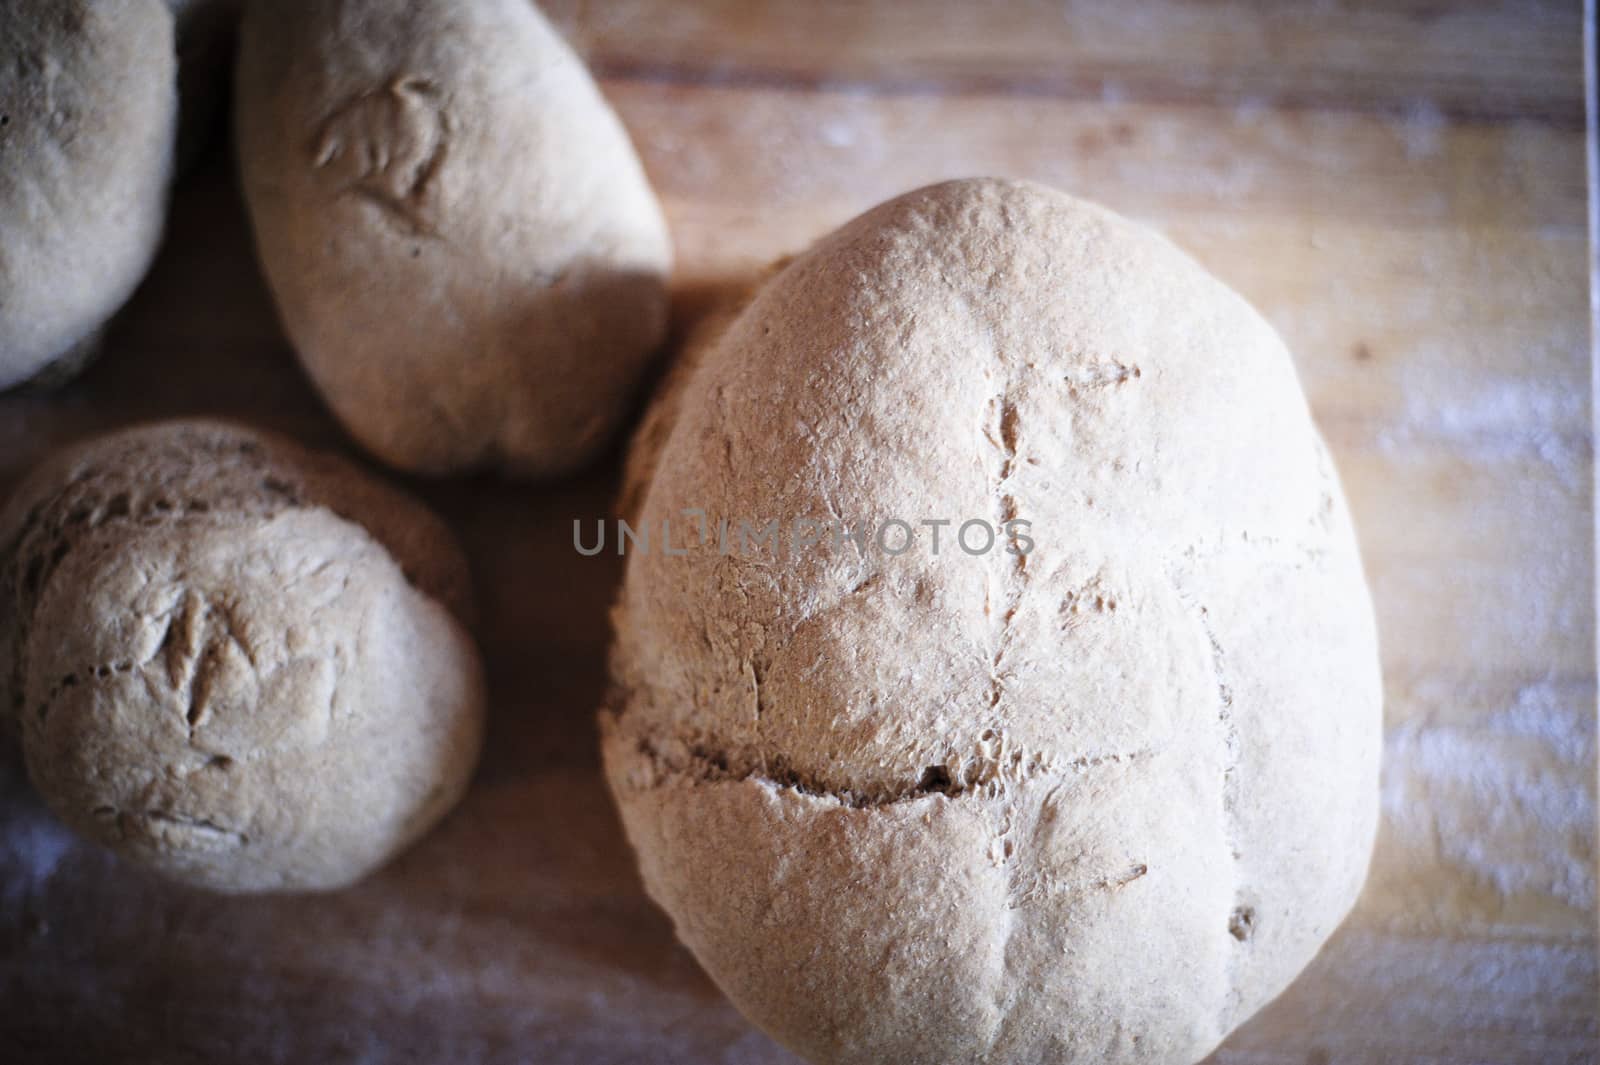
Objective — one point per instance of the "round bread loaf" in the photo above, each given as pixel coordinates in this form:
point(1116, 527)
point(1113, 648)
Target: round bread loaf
point(88, 115)
point(233, 660)
point(461, 241)
point(1095, 793)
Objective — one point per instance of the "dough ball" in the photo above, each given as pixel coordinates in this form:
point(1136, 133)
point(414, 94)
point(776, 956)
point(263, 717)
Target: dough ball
point(461, 241)
point(1094, 801)
point(88, 113)
point(237, 662)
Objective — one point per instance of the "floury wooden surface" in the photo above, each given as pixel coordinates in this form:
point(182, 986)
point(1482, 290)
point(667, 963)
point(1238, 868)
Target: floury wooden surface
point(1399, 187)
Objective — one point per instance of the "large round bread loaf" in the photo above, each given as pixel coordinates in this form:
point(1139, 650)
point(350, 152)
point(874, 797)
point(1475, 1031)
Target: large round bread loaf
point(1095, 802)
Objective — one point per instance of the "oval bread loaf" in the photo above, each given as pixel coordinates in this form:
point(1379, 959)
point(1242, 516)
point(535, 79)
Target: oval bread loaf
point(461, 241)
point(88, 118)
point(1097, 801)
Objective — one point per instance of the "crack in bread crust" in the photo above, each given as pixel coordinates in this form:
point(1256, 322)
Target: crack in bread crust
point(680, 762)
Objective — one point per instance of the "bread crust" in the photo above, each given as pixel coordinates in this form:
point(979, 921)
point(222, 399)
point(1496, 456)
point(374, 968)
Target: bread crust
point(237, 662)
point(1096, 803)
point(460, 239)
point(88, 118)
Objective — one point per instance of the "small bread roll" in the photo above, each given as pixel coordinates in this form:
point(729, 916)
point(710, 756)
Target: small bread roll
point(1093, 798)
point(88, 114)
point(461, 241)
point(234, 661)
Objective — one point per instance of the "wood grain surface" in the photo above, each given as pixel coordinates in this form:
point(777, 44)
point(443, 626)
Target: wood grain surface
point(1400, 187)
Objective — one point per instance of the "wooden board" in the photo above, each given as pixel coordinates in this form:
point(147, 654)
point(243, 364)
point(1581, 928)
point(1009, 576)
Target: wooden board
point(1400, 187)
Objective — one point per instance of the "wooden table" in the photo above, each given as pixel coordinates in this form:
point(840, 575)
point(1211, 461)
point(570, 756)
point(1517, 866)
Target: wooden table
point(1400, 188)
